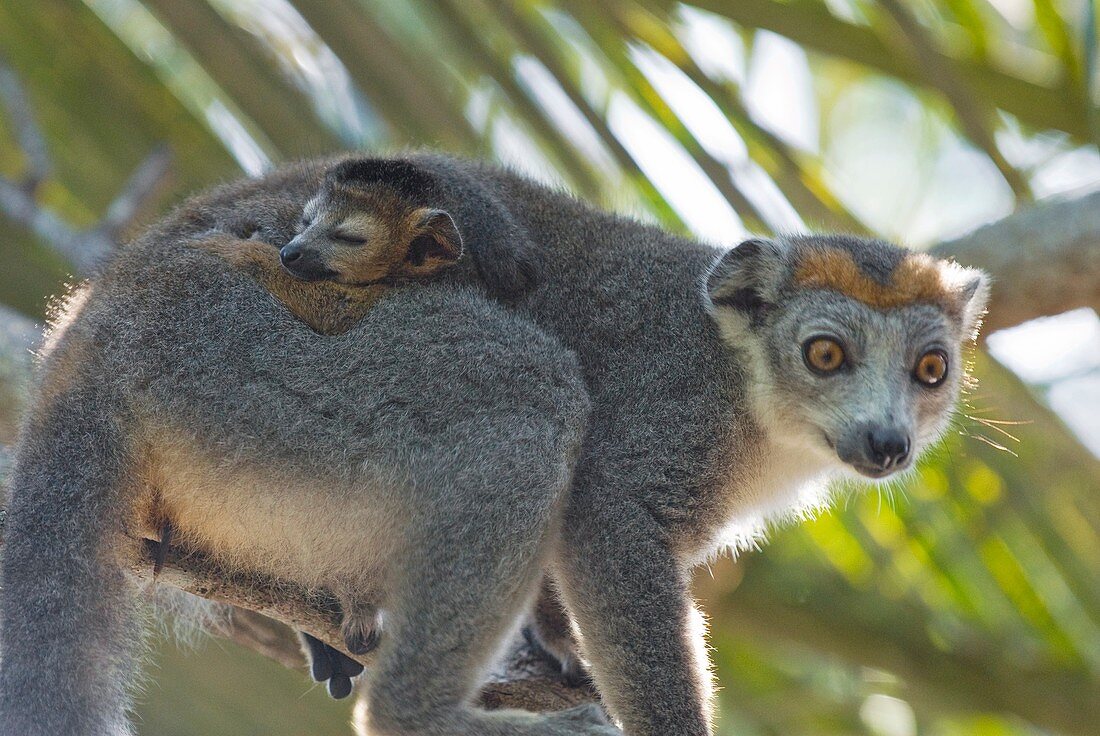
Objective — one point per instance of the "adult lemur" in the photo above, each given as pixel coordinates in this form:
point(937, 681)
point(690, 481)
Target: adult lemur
point(423, 455)
point(725, 388)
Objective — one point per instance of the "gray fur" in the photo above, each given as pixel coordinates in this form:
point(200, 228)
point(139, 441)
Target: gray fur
point(683, 440)
point(439, 424)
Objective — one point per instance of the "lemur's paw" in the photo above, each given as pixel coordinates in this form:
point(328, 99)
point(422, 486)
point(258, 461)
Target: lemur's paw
point(339, 687)
point(574, 673)
point(331, 666)
point(320, 668)
point(345, 665)
point(320, 661)
point(362, 633)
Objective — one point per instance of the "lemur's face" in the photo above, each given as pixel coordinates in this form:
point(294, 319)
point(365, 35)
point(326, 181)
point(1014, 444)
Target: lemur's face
point(855, 347)
point(366, 236)
point(875, 387)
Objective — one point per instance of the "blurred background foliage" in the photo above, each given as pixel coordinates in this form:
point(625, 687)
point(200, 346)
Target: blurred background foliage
point(965, 600)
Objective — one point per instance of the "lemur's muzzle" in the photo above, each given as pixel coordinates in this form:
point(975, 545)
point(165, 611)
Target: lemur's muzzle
point(304, 261)
point(876, 450)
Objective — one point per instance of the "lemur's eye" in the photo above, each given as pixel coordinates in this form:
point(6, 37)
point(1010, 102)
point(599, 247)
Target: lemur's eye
point(306, 222)
point(931, 369)
point(823, 354)
point(349, 238)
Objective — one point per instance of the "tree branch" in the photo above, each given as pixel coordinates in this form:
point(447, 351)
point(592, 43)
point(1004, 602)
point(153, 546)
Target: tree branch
point(1044, 260)
point(83, 248)
point(469, 40)
point(814, 27)
point(241, 63)
point(27, 132)
point(137, 193)
point(974, 116)
point(617, 21)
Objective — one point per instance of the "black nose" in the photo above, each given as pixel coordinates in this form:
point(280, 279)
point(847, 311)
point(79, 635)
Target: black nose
point(289, 254)
point(888, 447)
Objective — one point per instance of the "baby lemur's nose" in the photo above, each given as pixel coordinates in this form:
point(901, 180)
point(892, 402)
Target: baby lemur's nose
point(290, 253)
point(888, 446)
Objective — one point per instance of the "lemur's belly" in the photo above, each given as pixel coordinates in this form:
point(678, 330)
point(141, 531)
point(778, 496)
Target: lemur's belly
point(268, 518)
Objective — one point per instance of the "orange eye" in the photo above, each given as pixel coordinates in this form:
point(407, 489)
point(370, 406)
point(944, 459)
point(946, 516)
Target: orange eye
point(823, 354)
point(931, 369)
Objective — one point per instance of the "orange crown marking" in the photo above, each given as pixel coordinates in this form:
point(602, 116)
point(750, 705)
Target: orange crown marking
point(916, 280)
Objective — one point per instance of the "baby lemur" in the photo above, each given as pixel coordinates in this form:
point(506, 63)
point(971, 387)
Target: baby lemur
point(366, 226)
point(726, 387)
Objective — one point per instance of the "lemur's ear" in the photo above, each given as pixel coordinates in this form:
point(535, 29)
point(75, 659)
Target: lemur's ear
point(436, 244)
point(746, 277)
point(969, 287)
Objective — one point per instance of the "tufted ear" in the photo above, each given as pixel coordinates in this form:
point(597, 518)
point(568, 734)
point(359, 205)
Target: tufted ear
point(969, 288)
point(747, 277)
point(436, 244)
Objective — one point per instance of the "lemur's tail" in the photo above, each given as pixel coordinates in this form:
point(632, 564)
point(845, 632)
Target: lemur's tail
point(68, 631)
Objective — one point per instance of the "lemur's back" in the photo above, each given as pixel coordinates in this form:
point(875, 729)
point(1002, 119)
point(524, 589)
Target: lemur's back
point(628, 299)
point(436, 347)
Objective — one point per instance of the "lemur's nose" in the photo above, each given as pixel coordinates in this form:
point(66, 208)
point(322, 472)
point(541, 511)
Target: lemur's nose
point(290, 253)
point(889, 447)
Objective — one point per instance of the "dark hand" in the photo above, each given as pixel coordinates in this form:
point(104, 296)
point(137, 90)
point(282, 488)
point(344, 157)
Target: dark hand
point(331, 666)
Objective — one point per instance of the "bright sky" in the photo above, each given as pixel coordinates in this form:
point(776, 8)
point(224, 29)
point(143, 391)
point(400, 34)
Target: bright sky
point(1061, 357)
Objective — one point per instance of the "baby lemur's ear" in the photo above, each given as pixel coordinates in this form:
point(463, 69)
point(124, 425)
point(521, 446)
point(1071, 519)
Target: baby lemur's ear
point(436, 244)
point(747, 277)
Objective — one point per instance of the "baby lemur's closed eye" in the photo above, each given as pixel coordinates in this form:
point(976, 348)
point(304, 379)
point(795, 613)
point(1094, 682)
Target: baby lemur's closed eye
point(354, 239)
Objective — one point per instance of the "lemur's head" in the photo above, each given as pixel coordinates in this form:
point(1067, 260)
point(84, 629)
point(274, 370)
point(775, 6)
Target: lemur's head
point(367, 225)
point(855, 345)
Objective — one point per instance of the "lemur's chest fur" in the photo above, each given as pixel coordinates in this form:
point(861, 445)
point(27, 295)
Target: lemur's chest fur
point(774, 481)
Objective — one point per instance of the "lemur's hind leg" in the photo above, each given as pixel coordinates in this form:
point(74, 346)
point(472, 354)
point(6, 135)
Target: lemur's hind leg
point(362, 630)
point(453, 613)
point(69, 630)
point(550, 631)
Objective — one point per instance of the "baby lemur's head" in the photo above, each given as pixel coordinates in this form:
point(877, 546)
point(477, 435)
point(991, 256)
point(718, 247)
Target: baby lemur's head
point(855, 345)
point(368, 224)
